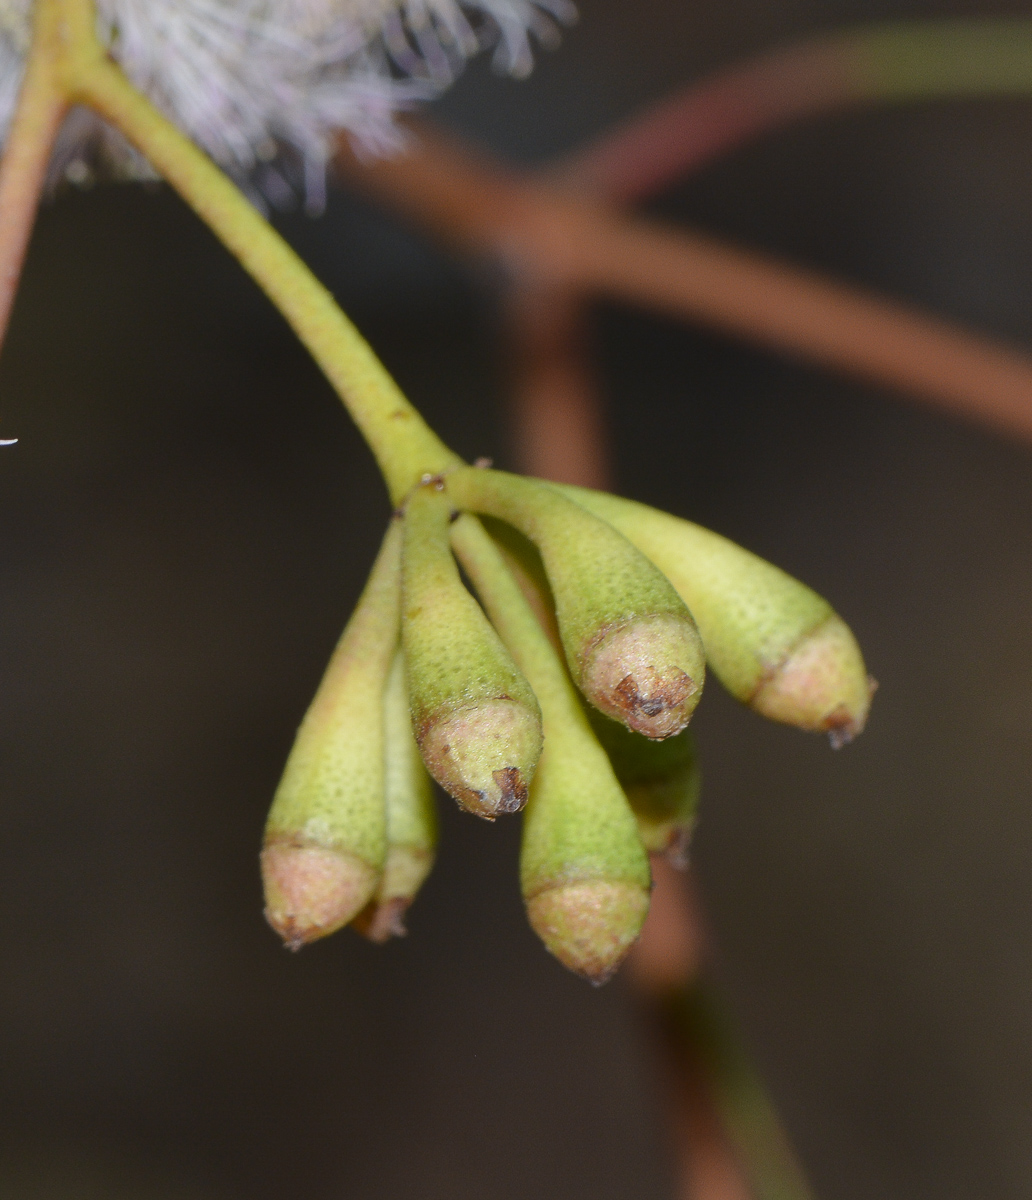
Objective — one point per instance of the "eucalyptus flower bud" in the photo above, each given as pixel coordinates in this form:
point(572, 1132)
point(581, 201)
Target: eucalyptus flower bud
point(411, 819)
point(661, 782)
point(630, 642)
point(773, 643)
point(583, 870)
point(659, 778)
point(475, 717)
point(325, 839)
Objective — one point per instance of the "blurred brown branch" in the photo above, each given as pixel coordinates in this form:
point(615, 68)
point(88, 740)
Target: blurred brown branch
point(704, 120)
point(563, 241)
point(664, 966)
point(879, 62)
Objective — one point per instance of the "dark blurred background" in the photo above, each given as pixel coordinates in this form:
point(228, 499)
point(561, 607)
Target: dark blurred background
point(188, 518)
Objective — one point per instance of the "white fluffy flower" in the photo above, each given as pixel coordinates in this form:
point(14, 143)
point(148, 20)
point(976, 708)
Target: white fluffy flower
point(248, 78)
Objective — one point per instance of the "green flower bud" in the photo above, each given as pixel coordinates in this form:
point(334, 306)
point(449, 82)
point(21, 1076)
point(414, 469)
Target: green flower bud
point(631, 644)
point(774, 644)
point(325, 839)
point(584, 872)
point(661, 781)
point(659, 778)
point(476, 719)
point(411, 819)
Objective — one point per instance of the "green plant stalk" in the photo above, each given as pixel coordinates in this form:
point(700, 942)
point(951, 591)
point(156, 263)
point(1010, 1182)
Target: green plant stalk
point(892, 61)
point(959, 57)
point(517, 626)
point(699, 1026)
point(411, 812)
point(524, 561)
point(876, 63)
point(404, 445)
point(661, 781)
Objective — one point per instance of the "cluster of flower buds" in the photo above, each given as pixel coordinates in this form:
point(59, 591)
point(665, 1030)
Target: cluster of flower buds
point(566, 691)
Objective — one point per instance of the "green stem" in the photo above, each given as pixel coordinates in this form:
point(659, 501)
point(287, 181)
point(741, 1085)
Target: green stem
point(517, 626)
point(949, 58)
point(700, 1028)
point(877, 63)
point(404, 445)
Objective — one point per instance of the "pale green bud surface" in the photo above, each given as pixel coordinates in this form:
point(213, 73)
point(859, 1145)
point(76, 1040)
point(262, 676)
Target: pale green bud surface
point(326, 838)
point(583, 870)
point(411, 818)
point(475, 717)
point(661, 781)
point(773, 642)
point(630, 642)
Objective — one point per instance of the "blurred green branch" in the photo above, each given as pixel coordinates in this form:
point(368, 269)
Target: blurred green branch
point(702, 1037)
point(881, 63)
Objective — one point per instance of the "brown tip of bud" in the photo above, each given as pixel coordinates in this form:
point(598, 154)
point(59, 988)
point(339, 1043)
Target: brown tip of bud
point(637, 674)
point(383, 921)
point(589, 926)
point(821, 686)
point(484, 756)
point(383, 917)
point(311, 891)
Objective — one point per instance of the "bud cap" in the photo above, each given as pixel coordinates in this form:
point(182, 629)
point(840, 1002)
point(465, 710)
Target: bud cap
point(821, 685)
point(590, 926)
point(312, 891)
